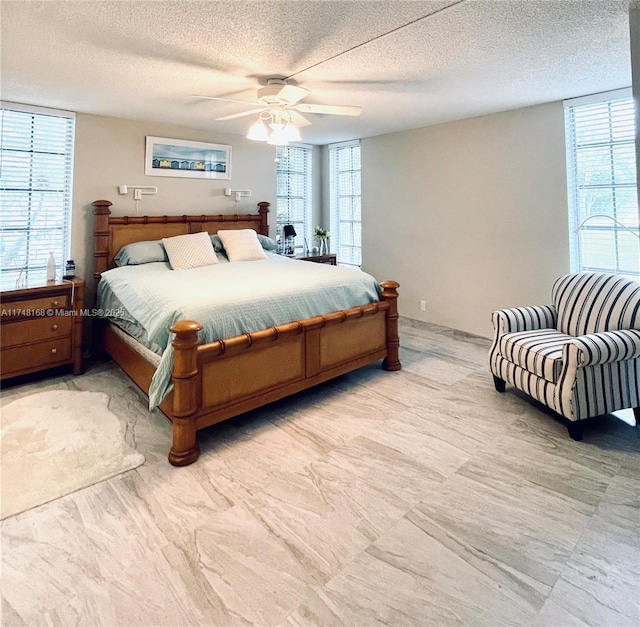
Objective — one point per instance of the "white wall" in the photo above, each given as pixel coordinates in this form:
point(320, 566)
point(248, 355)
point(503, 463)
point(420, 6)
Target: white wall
point(470, 216)
point(110, 152)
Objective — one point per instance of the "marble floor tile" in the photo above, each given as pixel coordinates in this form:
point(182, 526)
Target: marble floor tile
point(407, 577)
point(418, 435)
point(552, 465)
point(434, 367)
point(254, 577)
point(553, 615)
point(600, 581)
point(507, 528)
point(417, 497)
point(375, 483)
point(93, 556)
point(322, 536)
point(342, 415)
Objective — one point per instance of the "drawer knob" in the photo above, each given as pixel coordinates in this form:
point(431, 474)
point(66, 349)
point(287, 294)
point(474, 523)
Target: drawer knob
point(54, 351)
point(54, 327)
point(54, 303)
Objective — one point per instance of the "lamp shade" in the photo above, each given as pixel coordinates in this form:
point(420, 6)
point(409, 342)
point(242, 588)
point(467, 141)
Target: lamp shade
point(258, 132)
point(291, 133)
point(289, 231)
point(278, 138)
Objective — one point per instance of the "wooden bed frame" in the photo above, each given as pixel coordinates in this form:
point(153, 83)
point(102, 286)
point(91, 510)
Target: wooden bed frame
point(216, 381)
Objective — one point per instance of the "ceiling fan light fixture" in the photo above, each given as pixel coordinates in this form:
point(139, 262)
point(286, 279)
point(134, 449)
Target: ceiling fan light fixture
point(278, 138)
point(258, 132)
point(291, 133)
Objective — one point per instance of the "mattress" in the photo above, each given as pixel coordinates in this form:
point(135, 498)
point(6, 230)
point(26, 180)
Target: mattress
point(228, 299)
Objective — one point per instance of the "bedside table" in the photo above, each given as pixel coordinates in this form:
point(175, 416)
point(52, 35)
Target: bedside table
point(328, 258)
point(41, 327)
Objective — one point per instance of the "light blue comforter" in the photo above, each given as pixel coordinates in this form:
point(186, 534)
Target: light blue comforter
point(230, 299)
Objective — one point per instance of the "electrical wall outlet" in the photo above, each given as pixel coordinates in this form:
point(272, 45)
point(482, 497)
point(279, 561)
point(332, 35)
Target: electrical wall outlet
point(423, 305)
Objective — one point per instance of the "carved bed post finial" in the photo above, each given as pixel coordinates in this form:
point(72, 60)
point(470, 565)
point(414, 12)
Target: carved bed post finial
point(184, 449)
point(390, 294)
point(264, 217)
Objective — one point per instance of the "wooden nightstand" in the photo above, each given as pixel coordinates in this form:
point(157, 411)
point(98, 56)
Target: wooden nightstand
point(41, 327)
point(329, 258)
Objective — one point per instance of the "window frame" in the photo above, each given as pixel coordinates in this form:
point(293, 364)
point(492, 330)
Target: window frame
point(613, 219)
point(283, 209)
point(335, 197)
point(34, 272)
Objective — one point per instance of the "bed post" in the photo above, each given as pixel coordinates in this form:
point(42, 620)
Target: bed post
point(264, 218)
point(100, 239)
point(390, 294)
point(184, 448)
point(101, 213)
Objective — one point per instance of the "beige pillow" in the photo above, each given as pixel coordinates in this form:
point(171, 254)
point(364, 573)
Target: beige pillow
point(190, 251)
point(242, 245)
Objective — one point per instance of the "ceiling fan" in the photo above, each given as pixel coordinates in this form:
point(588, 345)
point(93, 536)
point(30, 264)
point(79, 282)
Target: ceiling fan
point(280, 111)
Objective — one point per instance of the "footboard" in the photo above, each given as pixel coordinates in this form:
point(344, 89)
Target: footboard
point(216, 381)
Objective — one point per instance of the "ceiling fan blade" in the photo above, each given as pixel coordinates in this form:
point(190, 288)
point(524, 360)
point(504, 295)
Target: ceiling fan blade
point(240, 115)
point(297, 119)
point(253, 103)
point(292, 93)
point(328, 109)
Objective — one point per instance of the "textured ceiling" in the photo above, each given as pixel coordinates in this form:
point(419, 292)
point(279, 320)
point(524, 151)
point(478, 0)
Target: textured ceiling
point(142, 59)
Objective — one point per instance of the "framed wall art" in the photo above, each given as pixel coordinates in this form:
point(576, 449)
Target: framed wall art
point(188, 159)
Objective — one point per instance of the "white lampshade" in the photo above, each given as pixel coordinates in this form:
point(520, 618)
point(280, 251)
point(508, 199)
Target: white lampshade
point(258, 132)
point(278, 138)
point(291, 133)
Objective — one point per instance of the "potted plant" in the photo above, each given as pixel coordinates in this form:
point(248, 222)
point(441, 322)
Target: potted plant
point(322, 235)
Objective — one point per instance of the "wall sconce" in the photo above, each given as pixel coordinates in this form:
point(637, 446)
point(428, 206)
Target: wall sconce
point(138, 190)
point(240, 193)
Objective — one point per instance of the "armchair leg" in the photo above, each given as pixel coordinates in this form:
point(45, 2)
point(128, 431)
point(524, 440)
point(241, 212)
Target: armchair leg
point(576, 429)
point(636, 415)
point(500, 384)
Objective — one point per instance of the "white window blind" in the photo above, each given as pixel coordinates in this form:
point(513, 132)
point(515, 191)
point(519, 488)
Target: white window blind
point(36, 169)
point(345, 203)
point(294, 195)
point(601, 167)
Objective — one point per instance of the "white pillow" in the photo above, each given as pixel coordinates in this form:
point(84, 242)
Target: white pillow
point(242, 245)
point(190, 251)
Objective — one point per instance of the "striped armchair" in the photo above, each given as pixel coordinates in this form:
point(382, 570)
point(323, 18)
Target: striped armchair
point(579, 356)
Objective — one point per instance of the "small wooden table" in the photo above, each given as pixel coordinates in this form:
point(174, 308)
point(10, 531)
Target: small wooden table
point(41, 327)
point(329, 258)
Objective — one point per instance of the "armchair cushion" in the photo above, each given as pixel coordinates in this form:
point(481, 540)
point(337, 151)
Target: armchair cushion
point(591, 302)
point(539, 351)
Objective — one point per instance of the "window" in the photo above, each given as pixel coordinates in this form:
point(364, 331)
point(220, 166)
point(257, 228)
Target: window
point(36, 168)
point(344, 204)
point(601, 167)
point(294, 195)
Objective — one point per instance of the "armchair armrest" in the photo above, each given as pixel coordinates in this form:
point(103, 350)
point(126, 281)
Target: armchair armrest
point(606, 347)
point(524, 319)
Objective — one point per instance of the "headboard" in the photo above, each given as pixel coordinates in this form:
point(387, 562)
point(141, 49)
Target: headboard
point(111, 233)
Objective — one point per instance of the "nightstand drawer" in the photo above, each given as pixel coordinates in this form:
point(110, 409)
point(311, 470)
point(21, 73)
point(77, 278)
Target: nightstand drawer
point(41, 327)
point(27, 308)
point(35, 356)
point(25, 331)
